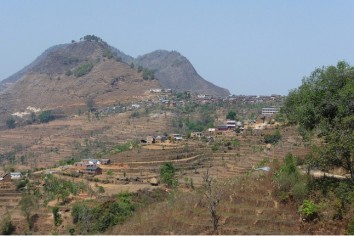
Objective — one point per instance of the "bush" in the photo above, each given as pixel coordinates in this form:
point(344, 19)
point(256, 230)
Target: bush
point(68, 73)
point(6, 226)
point(299, 191)
point(100, 217)
point(83, 70)
point(10, 122)
point(350, 228)
point(135, 114)
point(45, 116)
point(290, 182)
point(309, 210)
point(57, 217)
point(231, 115)
point(272, 138)
point(167, 174)
point(21, 184)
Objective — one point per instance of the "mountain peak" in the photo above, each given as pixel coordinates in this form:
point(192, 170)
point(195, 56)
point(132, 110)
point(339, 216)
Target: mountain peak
point(174, 71)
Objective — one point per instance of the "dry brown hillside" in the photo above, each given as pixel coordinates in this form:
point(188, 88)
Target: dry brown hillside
point(109, 82)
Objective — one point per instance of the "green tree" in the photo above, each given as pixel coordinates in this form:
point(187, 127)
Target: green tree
point(27, 204)
point(46, 116)
point(83, 69)
point(323, 107)
point(167, 174)
point(272, 138)
point(56, 215)
point(231, 115)
point(10, 122)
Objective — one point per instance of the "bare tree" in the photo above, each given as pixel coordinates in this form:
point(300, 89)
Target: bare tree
point(91, 104)
point(213, 197)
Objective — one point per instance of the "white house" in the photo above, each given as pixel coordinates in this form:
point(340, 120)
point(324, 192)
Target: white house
point(15, 175)
point(269, 111)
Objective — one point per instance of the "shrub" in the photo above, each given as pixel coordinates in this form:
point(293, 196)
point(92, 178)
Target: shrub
point(350, 228)
point(167, 174)
point(135, 114)
point(299, 191)
point(100, 217)
point(46, 116)
point(68, 73)
point(6, 226)
point(57, 217)
point(10, 122)
point(21, 184)
point(290, 182)
point(272, 138)
point(231, 115)
point(309, 210)
point(83, 70)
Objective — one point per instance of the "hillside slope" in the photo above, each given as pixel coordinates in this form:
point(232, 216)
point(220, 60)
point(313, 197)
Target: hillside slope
point(65, 76)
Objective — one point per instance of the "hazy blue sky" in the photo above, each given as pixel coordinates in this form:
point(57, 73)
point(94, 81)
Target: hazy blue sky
point(248, 47)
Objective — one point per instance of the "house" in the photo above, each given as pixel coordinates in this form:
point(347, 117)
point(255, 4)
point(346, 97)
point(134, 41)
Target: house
point(86, 168)
point(269, 111)
point(105, 161)
point(93, 170)
point(197, 134)
point(15, 175)
point(222, 128)
point(211, 130)
point(91, 161)
point(5, 178)
point(231, 124)
point(177, 137)
point(150, 139)
point(160, 139)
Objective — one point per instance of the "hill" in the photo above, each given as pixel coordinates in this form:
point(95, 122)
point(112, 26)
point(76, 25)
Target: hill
point(173, 70)
point(66, 75)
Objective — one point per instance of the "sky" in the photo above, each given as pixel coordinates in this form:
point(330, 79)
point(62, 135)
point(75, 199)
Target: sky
point(249, 47)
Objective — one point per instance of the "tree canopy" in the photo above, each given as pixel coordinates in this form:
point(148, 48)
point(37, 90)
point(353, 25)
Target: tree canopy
point(231, 115)
point(323, 107)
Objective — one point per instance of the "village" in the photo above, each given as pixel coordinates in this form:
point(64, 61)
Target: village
point(93, 167)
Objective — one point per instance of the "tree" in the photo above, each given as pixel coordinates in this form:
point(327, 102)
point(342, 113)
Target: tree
point(231, 115)
point(90, 103)
point(323, 107)
point(46, 116)
point(27, 204)
point(213, 197)
point(56, 215)
point(10, 122)
point(167, 174)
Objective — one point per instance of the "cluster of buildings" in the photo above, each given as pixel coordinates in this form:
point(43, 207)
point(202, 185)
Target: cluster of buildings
point(254, 98)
